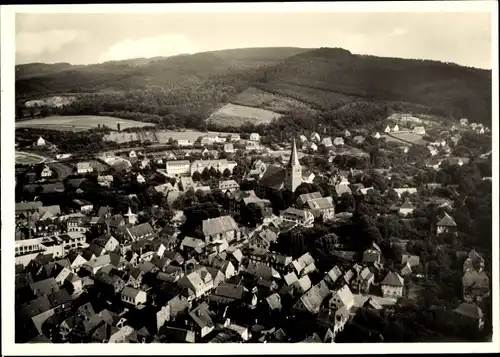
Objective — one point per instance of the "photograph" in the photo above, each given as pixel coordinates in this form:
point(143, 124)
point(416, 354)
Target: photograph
point(286, 175)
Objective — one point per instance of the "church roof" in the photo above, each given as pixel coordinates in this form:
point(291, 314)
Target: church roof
point(294, 157)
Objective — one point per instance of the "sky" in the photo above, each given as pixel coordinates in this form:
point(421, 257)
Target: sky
point(463, 38)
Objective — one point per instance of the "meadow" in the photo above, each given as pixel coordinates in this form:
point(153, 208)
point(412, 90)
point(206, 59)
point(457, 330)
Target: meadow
point(79, 123)
point(237, 115)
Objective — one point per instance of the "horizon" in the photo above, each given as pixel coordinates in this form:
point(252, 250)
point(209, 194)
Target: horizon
point(83, 39)
point(249, 48)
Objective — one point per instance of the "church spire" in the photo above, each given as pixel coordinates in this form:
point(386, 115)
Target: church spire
point(294, 158)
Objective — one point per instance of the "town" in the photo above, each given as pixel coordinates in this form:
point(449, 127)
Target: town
point(375, 235)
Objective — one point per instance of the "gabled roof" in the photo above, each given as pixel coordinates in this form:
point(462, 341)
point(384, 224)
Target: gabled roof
point(320, 203)
point(230, 291)
point(223, 224)
point(130, 292)
point(393, 279)
point(309, 196)
point(274, 301)
point(334, 273)
point(141, 231)
point(45, 287)
point(262, 271)
point(59, 297)
point(35, 307)
point(314, 297)
point(407, 205)
point(291, 278)
point(447, 221)
point(201, 316)
point(469, 310)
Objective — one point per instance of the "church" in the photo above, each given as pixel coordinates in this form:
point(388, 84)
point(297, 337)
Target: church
point(288, 178)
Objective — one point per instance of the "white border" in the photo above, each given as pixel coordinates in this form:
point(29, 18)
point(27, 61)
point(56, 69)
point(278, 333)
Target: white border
point(7, 132)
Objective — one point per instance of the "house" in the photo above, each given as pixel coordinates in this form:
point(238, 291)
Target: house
point(327, 142)
point(315, 137)
point(133, 296)
point(419, 130)
point(464, 122)
point(376, 135)
point(308, 176)
point(220, 229)
point(220, 165)
point(338, 141)
point(105, 180)
point(40, 142)
point(412, 260)
point(364, 280)
point(432, 150)
point(446, 225)
point(387, 129)
point(254, 137)
point(302, 138)
point(201, 320)
point(303, 265)
point(140, 179)
point(234, 137)
point(476, 286)
point(342, 297)
point(184, 142)
point(322, 207)
point(302, 200)
point(470, 314)
point(132, 154)
point(84, 168)
point(406, 208)
point(44, 287)
point(312, 300)
point(372, 255)
point(396, 128)
point(141, 231)
point(392, 285)
point(83, 205)
point(207, 140)
point(401, 190)
point(347, 133)
point(200, 282)
point(229, 148)
point(359, 139)
point(300, 217)
point(312, 147)
point(228, 185)
point(177, 167)
point(46, 172)
point(332, 276)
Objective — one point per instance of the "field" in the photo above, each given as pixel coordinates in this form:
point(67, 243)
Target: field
point(121, 137)
point(24, 158)
point(254, 97)
point(237, 115)
point(79, 123)
point(407, 138)
point(351, 151)
point(62, 170)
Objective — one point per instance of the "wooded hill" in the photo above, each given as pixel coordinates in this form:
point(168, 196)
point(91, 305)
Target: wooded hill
point(195, 85)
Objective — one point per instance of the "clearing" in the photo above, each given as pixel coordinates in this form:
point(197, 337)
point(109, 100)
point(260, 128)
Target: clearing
point(121, 137)
point(237, 115)
point(192, 135)
point(79, 123)
point(405, 137)
point(257, 98)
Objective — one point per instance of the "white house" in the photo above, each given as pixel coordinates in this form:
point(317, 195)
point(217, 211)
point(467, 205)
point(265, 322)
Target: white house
point(46, 172)
point(234, 137)
point(84, 168)
point(396, 128)
point(63, 156)
point(228, 148)
point(255, 137)
point(432, 150)
point(301, 217)
point(132, 154)
point(315, 137)
point(140, 179)
point(387, 129)
point(376, 135)
point(347, 133)
point(464, 121)
point(338, 141)
point(327, 142)
point(406, 208)
point(313, 147)
point(133, 296)
point(40, 142)
point(392, 285)
point(177, 167)
point(302, 138)
point(419, 130)
point(184, 142)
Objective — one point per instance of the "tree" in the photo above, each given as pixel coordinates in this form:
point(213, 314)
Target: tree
point(226, 173)
point(206, 175)
point(196, 176)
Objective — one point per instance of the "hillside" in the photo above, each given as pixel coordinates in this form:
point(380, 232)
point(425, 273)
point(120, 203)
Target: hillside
point(169, 89)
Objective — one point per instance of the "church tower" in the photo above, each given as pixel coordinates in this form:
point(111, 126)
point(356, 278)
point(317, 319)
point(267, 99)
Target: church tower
point(293, 176)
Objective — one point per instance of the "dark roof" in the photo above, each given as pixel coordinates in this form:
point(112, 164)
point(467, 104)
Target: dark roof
point(45, 287)
point(23, 279)
point(273, 177)
point(59, 297)
point(230, 291)
point(201, 316)
point(469, 310)
point(35, 307)
point(447, 221)
point(393, 279)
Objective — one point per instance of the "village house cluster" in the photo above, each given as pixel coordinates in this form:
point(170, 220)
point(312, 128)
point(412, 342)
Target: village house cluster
point(142, 282)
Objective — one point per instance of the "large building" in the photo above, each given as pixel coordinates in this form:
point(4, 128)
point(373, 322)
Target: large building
point(179, 167)
point(221, 165)
point(293, 173)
